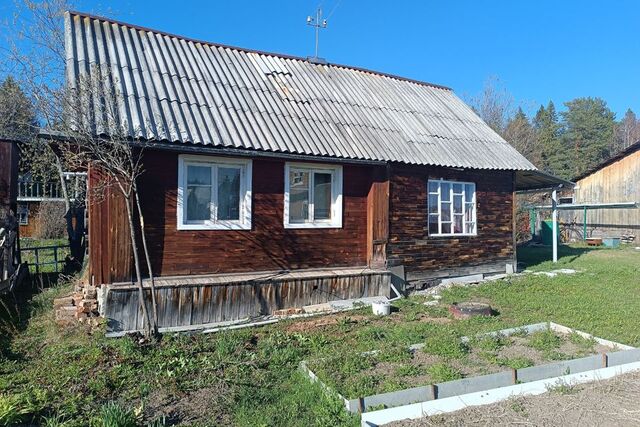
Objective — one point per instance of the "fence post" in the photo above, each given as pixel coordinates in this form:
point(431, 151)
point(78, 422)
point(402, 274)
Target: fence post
point(55, 257)
point(37, 262)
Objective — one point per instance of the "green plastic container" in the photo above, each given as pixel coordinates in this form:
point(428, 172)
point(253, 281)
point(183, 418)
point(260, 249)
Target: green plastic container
point(546, 232)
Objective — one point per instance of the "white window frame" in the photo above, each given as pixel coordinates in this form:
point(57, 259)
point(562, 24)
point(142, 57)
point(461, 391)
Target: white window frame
point(244, 221)
point(464, 208)
point(22, 209)
point(336, 195)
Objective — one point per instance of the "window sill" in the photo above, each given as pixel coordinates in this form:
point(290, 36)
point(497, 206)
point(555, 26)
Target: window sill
point(311, 225)
point(216, 227)
point(454, 235)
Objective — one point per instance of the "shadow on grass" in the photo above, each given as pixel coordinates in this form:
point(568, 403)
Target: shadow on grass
point(532, 256)
point(17, 308)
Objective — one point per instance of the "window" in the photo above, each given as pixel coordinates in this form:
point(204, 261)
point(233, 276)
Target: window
point(313, 196)
point(452, 208)
point(214, 193)
point(23, 214)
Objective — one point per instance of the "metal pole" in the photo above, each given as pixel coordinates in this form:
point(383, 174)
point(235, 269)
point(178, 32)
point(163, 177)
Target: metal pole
point(554, 217)
point(584, 224)
point(318, 15)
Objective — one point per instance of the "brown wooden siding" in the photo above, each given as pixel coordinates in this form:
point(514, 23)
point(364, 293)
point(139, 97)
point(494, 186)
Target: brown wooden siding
point(617, 182)
point(109, 242)
point(8, 174)
point(424, 256)
point(200, 300)
point(267, 246)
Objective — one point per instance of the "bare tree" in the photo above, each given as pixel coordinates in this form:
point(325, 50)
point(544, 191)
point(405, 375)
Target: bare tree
point(84, 116)
point(494, 104)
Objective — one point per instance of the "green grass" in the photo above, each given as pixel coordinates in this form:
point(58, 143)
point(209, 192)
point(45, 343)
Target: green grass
point(45, 256)
point(441, 372)
point(250, 377)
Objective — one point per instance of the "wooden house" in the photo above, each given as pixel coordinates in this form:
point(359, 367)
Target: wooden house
point(273, 181)
point(613, 183)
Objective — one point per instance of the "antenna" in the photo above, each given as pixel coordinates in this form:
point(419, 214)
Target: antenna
point(317, 23)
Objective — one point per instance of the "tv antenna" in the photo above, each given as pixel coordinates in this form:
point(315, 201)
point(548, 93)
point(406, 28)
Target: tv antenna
point(318, 23)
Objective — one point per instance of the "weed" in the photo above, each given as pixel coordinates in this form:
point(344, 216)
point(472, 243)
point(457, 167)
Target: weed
point(490, 342)
point(114, 415)
point(447, 344)
point(441, 372)
point(517, 406)
point(562, 387)
point(545, 340)
point(408, 371)
point(514, 362)
point(555, 355)
point(395, 354)
point(585, 344)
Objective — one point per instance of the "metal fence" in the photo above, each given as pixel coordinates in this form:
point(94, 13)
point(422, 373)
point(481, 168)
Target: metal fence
point(45, 259)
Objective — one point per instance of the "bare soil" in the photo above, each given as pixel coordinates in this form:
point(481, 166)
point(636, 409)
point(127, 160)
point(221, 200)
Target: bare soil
point(612, 402)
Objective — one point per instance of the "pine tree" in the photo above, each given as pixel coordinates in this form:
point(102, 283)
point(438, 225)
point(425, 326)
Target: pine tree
point(589, 132)
point(549, 144)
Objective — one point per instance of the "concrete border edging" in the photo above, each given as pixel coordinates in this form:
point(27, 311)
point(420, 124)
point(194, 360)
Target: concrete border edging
point(455, 403)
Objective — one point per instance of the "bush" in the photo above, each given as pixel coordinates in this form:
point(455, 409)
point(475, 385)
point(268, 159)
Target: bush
point(51, 221)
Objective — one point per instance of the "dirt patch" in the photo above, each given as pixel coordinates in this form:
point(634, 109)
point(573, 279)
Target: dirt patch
point(305, 325)
point(207, 403)
point(612, 402)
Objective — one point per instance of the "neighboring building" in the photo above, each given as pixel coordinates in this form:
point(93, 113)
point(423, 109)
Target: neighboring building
point(273, 181)
point(32, 194)
point(613, 181)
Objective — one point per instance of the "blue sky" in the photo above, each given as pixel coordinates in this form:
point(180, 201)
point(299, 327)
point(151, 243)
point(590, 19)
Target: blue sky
point(540, 50)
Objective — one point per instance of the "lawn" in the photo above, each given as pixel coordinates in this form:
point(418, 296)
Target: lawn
point(249, 377)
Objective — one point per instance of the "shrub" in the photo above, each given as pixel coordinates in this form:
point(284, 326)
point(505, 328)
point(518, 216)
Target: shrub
point(51, 221)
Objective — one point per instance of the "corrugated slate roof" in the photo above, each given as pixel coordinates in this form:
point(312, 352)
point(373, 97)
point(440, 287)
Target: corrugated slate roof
point(178, 90)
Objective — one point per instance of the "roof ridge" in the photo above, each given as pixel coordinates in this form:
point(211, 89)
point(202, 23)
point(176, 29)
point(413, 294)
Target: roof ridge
point(259, 52)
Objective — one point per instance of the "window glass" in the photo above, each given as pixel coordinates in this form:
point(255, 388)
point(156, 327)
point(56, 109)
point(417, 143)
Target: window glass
point(321, 196)
point(445, 192)
point(433, 204)
point(228, 193)
point(298, 196)
point(457, 204)
point(198, 193)
point(451, 208)
point(468, 192)
point(457, 224)
point(433, 224)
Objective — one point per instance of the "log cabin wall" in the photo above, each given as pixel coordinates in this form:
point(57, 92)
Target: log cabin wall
point(267, 246)
point(425, 257)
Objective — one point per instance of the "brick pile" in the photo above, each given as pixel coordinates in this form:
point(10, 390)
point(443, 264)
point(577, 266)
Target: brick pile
point(81, 306)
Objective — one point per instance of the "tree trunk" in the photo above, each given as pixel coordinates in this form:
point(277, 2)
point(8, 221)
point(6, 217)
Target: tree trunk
point(143, 235)
point(148, 327)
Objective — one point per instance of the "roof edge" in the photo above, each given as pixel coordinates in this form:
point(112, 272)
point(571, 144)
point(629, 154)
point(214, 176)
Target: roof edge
point(259, 52)
point(618, 156)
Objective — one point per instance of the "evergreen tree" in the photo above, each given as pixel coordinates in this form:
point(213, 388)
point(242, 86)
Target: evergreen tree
point(588, 132)
point(521, 135)
point(18, 122)
point(549, 143)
